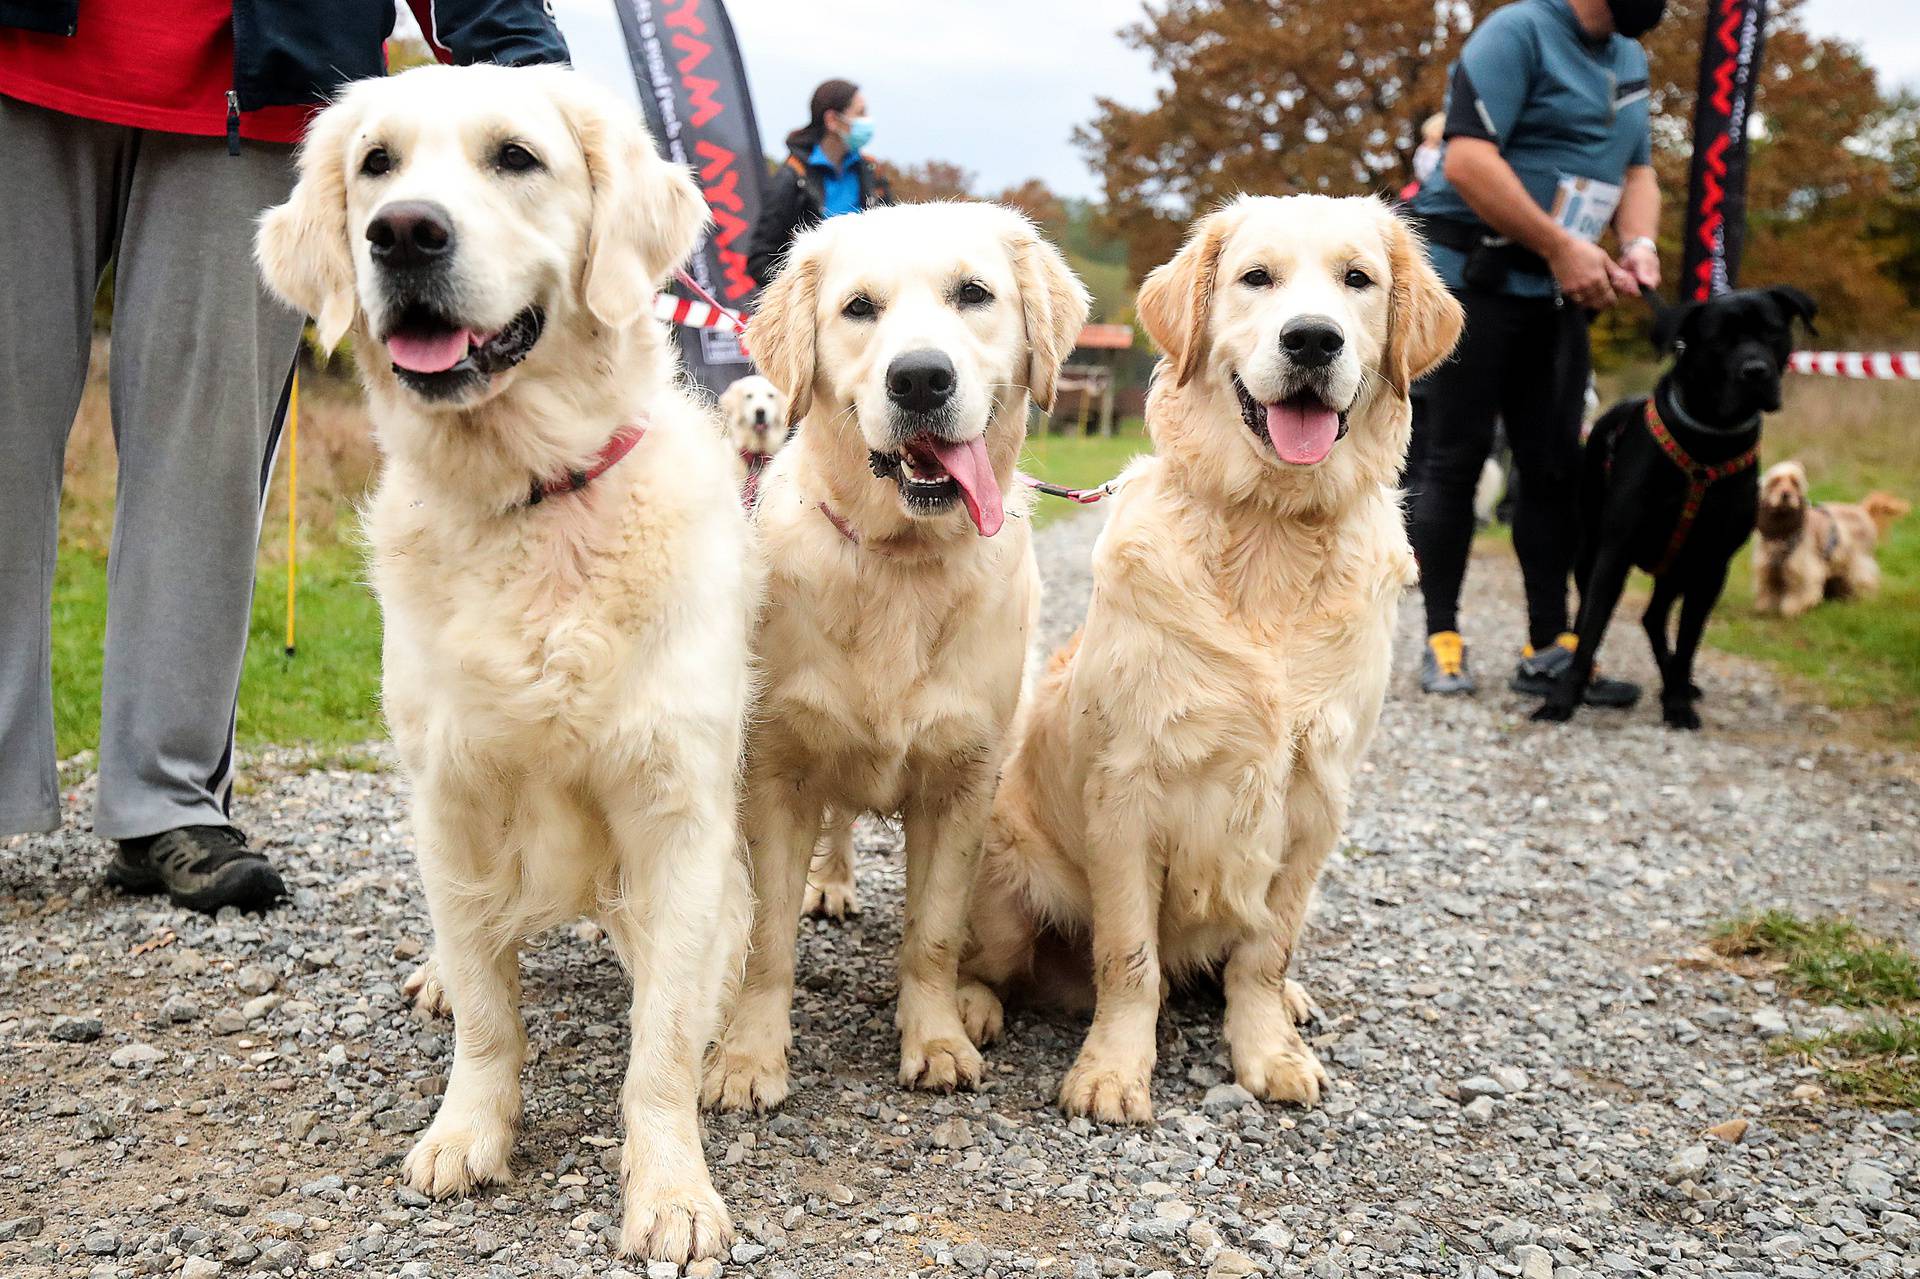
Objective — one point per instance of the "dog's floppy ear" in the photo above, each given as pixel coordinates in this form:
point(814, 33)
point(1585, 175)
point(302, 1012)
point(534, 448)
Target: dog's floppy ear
point(302, 245)
point(1173, 300)
point(647, 213)
point(1423, 317)
point(1796, 303)
point(781, 331)
point(1671, 325)
point(1053, 303)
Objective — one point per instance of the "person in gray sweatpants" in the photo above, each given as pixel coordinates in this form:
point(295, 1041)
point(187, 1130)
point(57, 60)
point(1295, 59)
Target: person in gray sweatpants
point(199, 370)
point(150, 138)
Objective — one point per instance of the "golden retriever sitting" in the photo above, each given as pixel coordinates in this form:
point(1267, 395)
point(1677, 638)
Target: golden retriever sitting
point(567, 581)
point(1811, 552)
point(755, 414)
point(1185, 765)
point(910, 341)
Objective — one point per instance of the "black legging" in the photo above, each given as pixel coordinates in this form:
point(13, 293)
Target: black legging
point(1525, 361)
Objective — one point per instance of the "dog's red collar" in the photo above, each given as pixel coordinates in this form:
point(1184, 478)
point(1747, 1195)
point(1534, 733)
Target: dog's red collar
point(839, 522)
point(618, 445)
point(1699, 480)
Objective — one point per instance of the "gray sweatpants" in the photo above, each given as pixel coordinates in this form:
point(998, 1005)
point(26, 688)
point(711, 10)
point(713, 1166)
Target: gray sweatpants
point(200, 364)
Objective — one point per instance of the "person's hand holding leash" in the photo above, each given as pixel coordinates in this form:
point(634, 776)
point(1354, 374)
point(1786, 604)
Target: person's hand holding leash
point(1588, 276)
point(1641, 259)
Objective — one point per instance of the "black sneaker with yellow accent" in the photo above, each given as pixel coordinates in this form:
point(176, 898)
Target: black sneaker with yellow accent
point(200, 867)
point(1443, 666)
point(1538, 672)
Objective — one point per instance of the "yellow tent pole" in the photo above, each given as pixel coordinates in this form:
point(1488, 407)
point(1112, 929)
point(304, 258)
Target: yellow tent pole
point(293, 498)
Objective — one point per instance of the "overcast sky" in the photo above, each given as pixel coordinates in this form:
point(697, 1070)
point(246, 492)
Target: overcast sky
point(998, 85)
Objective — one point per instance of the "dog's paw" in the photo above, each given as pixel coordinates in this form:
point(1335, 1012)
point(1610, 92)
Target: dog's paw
point(1680, 714)
point(1292, 1075)
point(981, 1013)
point(423, 987)
point(453, 1157)
point(678, 1224)
point(833, 900)
point(1554, 712)
point(940, 1064)
point(744, 1081)
point(1107, 1095)
point(1298, 1003)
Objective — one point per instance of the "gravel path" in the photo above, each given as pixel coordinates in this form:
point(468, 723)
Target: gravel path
point(1526, 1039)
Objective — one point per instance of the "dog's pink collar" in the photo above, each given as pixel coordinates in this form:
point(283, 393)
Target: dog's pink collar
point(618, 445)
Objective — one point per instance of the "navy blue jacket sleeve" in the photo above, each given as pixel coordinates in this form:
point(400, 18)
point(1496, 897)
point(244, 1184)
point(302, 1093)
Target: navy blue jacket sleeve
point(512, 33)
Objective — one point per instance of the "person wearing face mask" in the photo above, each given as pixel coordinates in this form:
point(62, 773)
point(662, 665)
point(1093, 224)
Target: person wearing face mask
point(825, 174)
point(1548, 152)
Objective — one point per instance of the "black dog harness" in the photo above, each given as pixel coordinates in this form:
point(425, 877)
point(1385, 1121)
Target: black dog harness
point(1699, 480)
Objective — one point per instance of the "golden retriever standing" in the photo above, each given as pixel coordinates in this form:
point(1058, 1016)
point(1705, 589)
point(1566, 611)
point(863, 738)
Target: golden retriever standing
point(566, 577)
point(755, 414)
point(910, 340)
point(1808, 552)
point(1184, 767)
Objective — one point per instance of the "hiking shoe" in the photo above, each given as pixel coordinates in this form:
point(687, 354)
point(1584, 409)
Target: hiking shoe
point(200, 867)
point(1538, 672)
point(1443, 667)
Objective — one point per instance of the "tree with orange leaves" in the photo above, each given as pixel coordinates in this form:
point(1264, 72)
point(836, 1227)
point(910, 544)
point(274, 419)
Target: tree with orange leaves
point(1283, 96)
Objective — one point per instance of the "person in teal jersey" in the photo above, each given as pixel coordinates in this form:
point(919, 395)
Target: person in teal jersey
point(1548, 151)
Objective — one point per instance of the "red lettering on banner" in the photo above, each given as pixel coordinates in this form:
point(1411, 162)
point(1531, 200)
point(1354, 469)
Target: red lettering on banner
point(1723, 74)
point(714, 159)
point(687, 17)
point(696, 51)
point(725, 194)
point(700, 104)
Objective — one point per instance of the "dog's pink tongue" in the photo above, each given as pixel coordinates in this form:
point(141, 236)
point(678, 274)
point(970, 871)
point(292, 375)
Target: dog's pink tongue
point(435, 353)
point(1302, 435)
point(968, 465)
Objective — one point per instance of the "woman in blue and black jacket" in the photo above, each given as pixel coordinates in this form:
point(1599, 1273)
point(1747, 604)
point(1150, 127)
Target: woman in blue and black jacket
point(826, 173)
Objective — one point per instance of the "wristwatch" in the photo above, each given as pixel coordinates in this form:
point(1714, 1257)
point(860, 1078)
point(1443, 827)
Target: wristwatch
point(1636, 242)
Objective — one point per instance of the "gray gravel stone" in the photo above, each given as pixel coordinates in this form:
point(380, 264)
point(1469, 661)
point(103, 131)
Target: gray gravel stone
point(1509, 902)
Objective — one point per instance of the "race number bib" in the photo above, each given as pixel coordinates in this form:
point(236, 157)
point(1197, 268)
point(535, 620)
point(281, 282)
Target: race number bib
point(1585, 206)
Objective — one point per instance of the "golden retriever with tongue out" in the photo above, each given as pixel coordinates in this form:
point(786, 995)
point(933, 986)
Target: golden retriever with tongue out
point(910, 341)
point(1185, 765)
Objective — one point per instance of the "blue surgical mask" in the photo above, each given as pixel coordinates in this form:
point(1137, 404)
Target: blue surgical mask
point(859, 132)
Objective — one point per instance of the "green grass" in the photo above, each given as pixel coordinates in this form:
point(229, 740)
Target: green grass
point(1831, 960)
point(326, 695)
point(1826, 959)
point(1860, 655)
point(1079, 462)
point(1877, 1064)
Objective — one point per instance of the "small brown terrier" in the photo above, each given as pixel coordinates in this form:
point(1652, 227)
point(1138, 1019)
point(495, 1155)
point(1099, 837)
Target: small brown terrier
point(1810, 552)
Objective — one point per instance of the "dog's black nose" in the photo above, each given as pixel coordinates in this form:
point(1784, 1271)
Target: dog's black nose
point(1311, 341)
point(920, 381)
point(759, 417)
point(1756, 371)
point(410, 233)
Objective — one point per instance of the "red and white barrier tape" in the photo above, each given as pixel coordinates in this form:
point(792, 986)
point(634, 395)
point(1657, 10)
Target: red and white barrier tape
point(692, 314)
point(1899, 365)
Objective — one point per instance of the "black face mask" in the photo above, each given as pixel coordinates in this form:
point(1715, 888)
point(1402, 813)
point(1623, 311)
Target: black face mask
point(1634, 18)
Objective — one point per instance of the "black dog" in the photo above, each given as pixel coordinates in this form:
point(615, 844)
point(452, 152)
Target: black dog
point(1670, 483)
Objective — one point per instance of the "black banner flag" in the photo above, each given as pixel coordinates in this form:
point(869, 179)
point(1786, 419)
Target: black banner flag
point(682, 60)
point(1717, 185)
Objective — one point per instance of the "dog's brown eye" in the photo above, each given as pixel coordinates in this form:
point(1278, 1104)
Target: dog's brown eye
point(1358, 279)
point(515, 158)
point(972, 293)
point(859, 307)
point(376, 162)
point(1258, 278)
